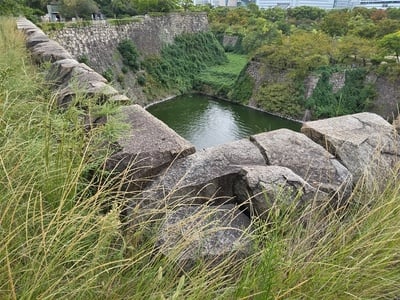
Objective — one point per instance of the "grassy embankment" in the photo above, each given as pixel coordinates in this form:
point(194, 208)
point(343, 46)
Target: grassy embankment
point(219, 79)
point(55, 243)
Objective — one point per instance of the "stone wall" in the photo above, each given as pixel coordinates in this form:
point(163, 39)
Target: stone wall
point(99, 41)
point(244, 179)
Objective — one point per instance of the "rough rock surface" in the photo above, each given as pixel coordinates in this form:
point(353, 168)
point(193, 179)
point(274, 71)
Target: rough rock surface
point(50, 51)
point(365, 143)
point(310, 161)
point(42, 48)
point(262, 187)
point(206, 174)
point(206, 233)
point(71, 78)
point(147, 147)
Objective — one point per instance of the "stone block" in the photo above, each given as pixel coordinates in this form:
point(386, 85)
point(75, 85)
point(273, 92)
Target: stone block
point(365, 143)
point(262, 187)
point(204, 176)
point(50, 51)
point(307, 159)
point(146, 148)
point(208, 234)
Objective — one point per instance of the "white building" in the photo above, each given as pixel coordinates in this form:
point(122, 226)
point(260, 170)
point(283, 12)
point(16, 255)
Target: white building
point(217, 2)
point(329, 4)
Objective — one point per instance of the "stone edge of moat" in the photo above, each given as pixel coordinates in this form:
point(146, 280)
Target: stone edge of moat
point(322, 162)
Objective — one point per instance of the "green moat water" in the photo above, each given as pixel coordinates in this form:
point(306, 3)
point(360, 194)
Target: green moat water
point(206, 122)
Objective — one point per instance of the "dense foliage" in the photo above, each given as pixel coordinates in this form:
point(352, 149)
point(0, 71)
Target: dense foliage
point(129, 53)
point(180, 62)
point(290, 45)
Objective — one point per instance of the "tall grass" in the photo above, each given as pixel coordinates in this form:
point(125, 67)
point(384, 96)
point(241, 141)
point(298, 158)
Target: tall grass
point(57, 242)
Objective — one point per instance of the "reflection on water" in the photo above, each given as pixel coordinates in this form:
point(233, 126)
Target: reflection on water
point(207, 122)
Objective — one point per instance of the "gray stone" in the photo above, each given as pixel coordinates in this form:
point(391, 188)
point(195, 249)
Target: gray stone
point(262, 187)
point(365, 143)
point(73, 78)
point(96, 89)
point(205, 175)
point(24, 25)
point(307, 159)
point(146, 148)
point(36, 37)
point(50, 51)
point(204, 233)
point(60, 71)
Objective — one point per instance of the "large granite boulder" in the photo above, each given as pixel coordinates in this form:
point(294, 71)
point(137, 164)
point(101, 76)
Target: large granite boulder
point(262, 187)
point(50, 51)
point(35, 37)
point(365, 143)
point(205, 175)
point(146, 148)
point(307, 159)
point(71, 78)
point(209, 234)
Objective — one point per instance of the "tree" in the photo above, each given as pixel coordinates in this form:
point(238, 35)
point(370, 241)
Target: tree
point(357, 47)
point(186, 4)
point(335, 23)
point(306, 12)
point(78, 8)
point(275, 14)
point(387, 26)
point(391, 43)
point(362, 27)
point(393, 13)
point(145, 6)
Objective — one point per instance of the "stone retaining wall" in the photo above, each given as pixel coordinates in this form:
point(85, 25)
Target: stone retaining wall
point(98, 42)
point(281, 167)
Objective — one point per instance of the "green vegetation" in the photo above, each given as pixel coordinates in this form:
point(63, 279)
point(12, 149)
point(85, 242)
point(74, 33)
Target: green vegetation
point(243, 88)
point(129, 53)
point(221, 78)
point(298, 41)
point(354, 97)
point(108, 74)
point(179, 63)
point(292, 44)
point(279, 98)
point(57, 242)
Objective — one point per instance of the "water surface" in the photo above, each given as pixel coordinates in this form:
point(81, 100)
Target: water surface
point(207, 122)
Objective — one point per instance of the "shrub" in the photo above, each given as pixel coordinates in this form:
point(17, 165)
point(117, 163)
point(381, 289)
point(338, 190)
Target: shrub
point(141, 79)
point(108, 74)
point(129, 53)
point(83, 59)
point(179, 63)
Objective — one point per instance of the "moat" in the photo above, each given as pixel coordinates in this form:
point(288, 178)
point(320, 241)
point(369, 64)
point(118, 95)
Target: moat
point(207, 122)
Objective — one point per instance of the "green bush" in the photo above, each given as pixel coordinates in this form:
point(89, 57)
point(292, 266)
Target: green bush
point(108, 74)
point(141, 79)
point(242, 88)
point(279, 98)
point(83, 59)
point(129, 53)
point(52, 26)
point(179, 63)
point(354, 97)
point(124, 69)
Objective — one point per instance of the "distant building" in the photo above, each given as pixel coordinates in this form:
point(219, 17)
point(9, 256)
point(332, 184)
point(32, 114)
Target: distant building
point(53, 13)
point(329, 4)
point(232, 3)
